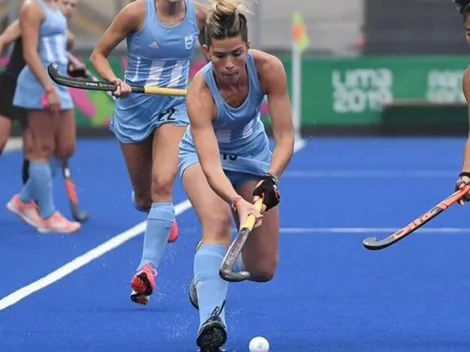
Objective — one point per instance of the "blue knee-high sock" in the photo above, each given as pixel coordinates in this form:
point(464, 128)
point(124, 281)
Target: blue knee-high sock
point(54, 165)
point(40, 181)
point(159, 223)
point(26, 193)
point(211, 289)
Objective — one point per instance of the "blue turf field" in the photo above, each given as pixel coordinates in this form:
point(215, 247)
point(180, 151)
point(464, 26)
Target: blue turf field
point(329, 293)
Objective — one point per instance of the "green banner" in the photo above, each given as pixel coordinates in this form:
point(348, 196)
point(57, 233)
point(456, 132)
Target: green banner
point(352, 91)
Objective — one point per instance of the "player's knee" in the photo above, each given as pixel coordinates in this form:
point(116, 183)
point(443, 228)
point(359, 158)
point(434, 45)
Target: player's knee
point(2, 146)
point(162, 185)
point(142, 201)
point(265, 270)
point(5, 127)
point(43, 149)
point(28, 152)
point(217, 228)
point(65, 151)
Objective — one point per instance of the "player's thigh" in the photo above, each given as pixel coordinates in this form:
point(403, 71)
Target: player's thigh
point(212, 211)
point(165, 159)
point(5, 130)
point(138, 159)
point(260, 254)
point(42, 129)
point(66, 135)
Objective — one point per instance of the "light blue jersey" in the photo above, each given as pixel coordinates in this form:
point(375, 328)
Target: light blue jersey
point(52, 44)
point(158, 55)
point(243, 143)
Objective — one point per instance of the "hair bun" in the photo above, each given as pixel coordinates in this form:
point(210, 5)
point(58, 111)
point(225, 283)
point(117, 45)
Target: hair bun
point(226, 19)
point(225, 8)
point(461, 4)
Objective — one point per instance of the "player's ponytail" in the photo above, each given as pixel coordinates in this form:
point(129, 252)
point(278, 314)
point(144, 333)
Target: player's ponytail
point(463, 7)
point(226, 19)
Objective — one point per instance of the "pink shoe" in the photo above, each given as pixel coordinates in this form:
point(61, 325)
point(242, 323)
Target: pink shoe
point(174, 233)
point(28, 212)
point(143, 285)
point(58, 224)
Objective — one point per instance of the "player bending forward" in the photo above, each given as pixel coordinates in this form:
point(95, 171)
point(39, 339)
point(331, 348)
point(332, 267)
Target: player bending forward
point(226, 163)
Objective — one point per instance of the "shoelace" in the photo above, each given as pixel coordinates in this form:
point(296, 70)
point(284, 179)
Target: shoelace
point(217, 311)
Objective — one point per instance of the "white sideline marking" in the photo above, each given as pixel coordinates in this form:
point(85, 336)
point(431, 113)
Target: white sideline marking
point(92, 254)
point(13, 144)
point(81, 261)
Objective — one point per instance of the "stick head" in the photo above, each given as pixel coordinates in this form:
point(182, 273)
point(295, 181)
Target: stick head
point(230, 276)
point(80, 217)
point(371, 243)
point(52, 70)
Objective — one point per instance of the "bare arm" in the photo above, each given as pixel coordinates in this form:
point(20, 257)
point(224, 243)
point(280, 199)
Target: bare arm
point(127, 21)
point(70, 40)
point(10, 34)
point(466, 92)
point(273, 78)
point(31, 17)
point(200, 111)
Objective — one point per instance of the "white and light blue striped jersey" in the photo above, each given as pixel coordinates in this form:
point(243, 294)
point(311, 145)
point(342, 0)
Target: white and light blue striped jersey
point(159, 55)
point(52, 41)
point(241, 136)
point(237, 128)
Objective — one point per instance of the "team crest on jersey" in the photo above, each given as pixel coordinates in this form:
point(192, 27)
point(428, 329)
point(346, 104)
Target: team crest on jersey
point(188, 42)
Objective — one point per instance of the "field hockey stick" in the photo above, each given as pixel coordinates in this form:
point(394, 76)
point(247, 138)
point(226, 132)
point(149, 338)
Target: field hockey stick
point(373, 244)
point(88, 74)
point(92, 77)
point(235, 249)
point(77, 215)
point(90, 84)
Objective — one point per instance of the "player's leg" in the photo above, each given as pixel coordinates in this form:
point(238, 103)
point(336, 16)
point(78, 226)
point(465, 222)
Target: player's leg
point(260, 254)
point(216, 219)
point(161, 217)
point(22, 118)
point(65, 140)
point(138, 159)
point(56, 222)
point(5, 130)
point(39, 186)
point(165, 163)
point(42, 143)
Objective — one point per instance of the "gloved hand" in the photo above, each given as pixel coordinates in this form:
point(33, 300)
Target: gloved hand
point(267, 188)
point(462, 181)
point(76, 72)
